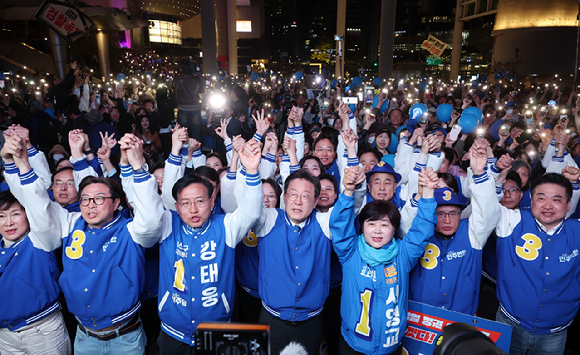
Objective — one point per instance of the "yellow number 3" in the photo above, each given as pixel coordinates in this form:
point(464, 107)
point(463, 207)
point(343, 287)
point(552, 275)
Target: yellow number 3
point(530, 250)
point(250, 240)
point(75, 250)
point(429, 259)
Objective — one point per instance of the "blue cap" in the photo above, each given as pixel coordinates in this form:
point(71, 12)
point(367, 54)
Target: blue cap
point(383, 167)
point(510, 104)
point(446, 196)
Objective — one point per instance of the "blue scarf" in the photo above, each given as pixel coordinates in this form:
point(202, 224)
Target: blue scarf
point(374, 257)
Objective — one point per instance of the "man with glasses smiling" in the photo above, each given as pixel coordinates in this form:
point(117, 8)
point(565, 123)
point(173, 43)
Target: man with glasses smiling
point(103, 251)
point(448, 275)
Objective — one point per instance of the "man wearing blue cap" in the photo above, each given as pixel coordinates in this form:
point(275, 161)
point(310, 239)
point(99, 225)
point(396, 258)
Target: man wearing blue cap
point(448, 275)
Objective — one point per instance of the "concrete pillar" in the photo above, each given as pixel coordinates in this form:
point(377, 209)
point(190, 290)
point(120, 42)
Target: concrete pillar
point(221, 14)
point(232, 37)
point(341, 30)
point(58, 53)
point(457, 40)
point(208, 32)
point(387, 38)
point(103, 47)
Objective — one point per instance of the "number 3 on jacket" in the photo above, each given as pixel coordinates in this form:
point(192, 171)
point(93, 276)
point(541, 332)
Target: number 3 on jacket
point(75, 250)
point(363, 326)
point(530, 250)
point(429, 259)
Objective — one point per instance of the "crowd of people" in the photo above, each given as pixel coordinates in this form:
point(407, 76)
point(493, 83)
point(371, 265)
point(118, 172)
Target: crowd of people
point(121, 230)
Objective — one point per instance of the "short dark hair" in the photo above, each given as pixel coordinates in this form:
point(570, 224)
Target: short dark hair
point(115, 188)
point(515, 177)
point(553, 178)
point(450, 181)
point(156, 166)
point(377, 209)
point(7, 200)
point(450, 153)
point(374, 151)
point(303, 174)
point(276, 187)
point(208, 173)
point(60, 171)
point(332, 179)
point(191, 179)
point(311, 157)
point(327, 134)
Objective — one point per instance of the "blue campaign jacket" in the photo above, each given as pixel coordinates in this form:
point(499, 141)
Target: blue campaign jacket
point(29, 284)
point(374, 299)
point(103, 273)
point(196, 277)
point(294, 271)
point(247, 264)
point(449, 273)
point(538, 282)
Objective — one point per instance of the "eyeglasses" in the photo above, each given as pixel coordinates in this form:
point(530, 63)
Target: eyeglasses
point(512, 191)
point(327, 150)
point(451, 215)
point(292, 196)
point(99, 200)
point(270, 197)
point(67, 183)
point(200, 203)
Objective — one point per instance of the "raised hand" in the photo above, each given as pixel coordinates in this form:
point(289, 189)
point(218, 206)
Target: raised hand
point(108, 141)
point(16, 148)
point(349, 180)
point(222, 130)
point(428, 181)
point(504, 162)
point(571, 173)
point(238, 143)
point(273, 139)
point(418, 132)
point(104, 153)
point(251, 156)
point(193, 145)
point(177, 140)
point(76, 141)
point(262, 122)
point(289, 146)
point(133, 147)
point(477, 159)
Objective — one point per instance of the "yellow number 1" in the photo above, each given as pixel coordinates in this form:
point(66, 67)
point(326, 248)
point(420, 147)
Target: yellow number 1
point(75, 250)
point(363, 326)
point(179, 281)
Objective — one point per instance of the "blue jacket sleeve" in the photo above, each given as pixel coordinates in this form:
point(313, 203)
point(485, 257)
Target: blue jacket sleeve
point(413, 244)
point(342, 227)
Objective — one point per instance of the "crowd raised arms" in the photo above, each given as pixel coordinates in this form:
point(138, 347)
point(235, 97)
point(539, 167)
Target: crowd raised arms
point(127, 222)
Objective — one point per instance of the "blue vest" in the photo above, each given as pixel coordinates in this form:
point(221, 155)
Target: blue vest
point(537, 280)
point(294, 272)
point(103, 273)
point(448, 274)
point(29, 284)
point(196, 277)
point(247, 264)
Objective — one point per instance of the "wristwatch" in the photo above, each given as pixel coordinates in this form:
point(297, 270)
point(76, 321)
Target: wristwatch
point(144, 167)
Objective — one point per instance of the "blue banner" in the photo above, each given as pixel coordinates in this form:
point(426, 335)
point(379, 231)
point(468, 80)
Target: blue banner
point(425, 328)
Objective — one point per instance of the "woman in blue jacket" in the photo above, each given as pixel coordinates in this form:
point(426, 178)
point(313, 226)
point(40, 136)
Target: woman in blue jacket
point(376, 266)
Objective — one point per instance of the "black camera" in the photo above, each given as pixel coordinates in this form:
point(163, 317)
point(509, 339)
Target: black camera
point(462, 338)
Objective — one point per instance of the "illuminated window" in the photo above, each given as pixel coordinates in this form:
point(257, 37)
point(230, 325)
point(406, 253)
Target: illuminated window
point(243, 26)
point(164, 32)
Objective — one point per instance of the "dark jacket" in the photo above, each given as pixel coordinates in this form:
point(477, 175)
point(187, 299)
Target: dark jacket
point(187, 88)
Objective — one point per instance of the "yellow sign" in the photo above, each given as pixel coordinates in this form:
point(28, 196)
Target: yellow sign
point(434, 46)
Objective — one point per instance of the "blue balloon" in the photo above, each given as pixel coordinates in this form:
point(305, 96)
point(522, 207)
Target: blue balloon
point(474, 84)
point(377, 81)
point(254, 76)
point(137, 71)
point(333, 83)
point(385, 105)
point(356, 81)
point(423, 77)
point(512, 77)
point(352, 107)
point(261, 75)
point(121, 76)
point(444, 112)
point(417, 110)
point(324, 71)
point(472, 110)
point(423, 86)
point(468, 123)
point(159, 60)
point(298, 75)
point(148, 72)
point(483, 78)
point(497, 76)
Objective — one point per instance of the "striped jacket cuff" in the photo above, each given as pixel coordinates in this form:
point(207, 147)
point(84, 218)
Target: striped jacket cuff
point(10, 168)
point(480, 178)
point(174, 159)
point(253, 179)
point(28, 178)
point(126, 170)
